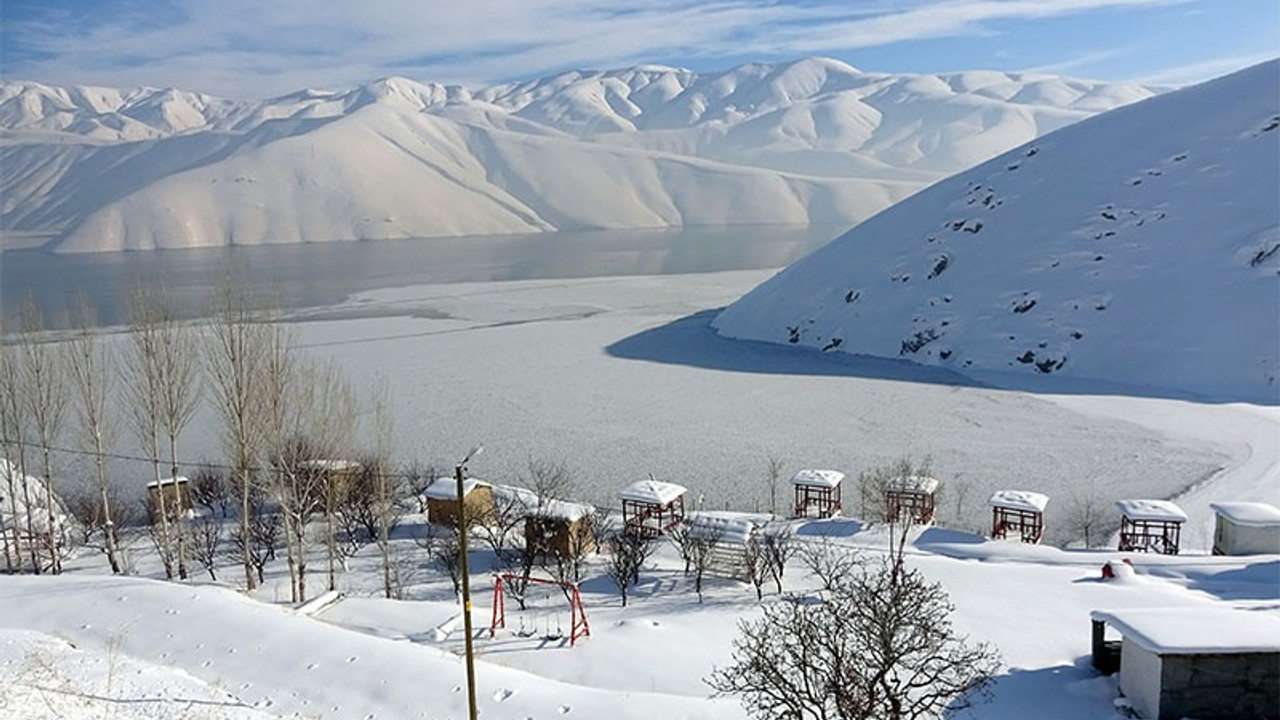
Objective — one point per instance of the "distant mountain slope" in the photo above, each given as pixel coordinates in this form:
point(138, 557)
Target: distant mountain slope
point(1141, 247)
point(808, 141)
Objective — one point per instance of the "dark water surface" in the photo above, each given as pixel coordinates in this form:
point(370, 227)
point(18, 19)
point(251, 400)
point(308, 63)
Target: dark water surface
point(318, 274)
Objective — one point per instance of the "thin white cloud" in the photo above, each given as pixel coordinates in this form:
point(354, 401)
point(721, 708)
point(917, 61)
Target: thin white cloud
point(246, 48)
point(1198, 72)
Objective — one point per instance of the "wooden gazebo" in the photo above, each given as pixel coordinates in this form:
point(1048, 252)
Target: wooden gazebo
point(1150, 526)
point(1018, 511)
point(177, 497)
point(817, 493)
point(652, 507)
point(910, 498)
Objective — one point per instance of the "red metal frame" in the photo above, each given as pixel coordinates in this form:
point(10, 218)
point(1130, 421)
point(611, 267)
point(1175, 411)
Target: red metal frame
point(1029, 524)
point(636, 516)
point(578, 626)
point(913, 505)
point(1160, 536)
point(825, 500)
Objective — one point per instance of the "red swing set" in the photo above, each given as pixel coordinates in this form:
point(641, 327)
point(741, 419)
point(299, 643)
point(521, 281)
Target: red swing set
point(578, 626)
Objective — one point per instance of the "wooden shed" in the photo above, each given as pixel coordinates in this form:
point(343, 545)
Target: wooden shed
point(652, 507)
point(1018, 511)
point(558, 529)
point(1205, 662)
point(1150, 526)
point(442, 501)
point(177, 497)
point(1245, 528)
point(817, 493)
point(911, 499)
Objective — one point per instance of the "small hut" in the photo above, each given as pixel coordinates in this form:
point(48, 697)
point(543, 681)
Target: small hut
point(558, 529)
point(442, 501)
point(729, 537)
point(1210, 663)
point(910, 498)
point(1245, 528)
point(1150, 526)
point(177, 497)
point(1018, 511)
point(817, 493)
point(651, 507)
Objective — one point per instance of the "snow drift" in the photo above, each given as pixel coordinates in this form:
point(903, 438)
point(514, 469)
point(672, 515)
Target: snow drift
point(812, 141)
point(1140, 247)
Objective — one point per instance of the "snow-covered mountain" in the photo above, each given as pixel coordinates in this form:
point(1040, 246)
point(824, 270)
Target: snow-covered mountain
point(808, 141)
point(1140, 247)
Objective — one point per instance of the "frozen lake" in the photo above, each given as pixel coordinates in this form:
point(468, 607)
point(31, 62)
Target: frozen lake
point(294, 276)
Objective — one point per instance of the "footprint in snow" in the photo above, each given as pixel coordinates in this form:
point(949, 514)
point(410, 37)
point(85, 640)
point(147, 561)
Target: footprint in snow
point(313, 666)
point(566, 709)
point(206, 663)
point(352, 659)
point(457, 688)
point(502, 695)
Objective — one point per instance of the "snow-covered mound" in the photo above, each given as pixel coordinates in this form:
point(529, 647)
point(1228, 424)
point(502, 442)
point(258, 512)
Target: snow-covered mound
point(812, 141)
point(1141, 247)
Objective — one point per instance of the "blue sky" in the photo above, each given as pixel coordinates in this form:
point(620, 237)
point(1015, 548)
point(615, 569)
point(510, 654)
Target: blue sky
point(258, 48)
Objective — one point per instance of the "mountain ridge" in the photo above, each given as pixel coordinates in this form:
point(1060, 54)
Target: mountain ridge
point(810, 141)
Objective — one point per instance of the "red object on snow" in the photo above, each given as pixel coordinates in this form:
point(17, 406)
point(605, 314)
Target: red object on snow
point(1109, 573)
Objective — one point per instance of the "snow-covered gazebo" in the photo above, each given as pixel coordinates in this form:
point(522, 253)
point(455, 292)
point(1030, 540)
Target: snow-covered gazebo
point(1206, 662)
point(730, 537)
point(1245, 528)
point(910, 498)
point(1150, 526)
point(1019, 511)
point(652, 507)
point(817, 493)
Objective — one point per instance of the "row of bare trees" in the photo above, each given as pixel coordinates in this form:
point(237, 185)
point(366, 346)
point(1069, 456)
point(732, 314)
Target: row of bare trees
point(282, 417)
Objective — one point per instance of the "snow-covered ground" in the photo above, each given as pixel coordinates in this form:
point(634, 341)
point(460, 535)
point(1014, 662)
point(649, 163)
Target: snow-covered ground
point(619, 377)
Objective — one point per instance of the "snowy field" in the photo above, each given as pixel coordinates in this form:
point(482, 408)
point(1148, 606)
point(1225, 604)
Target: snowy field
point(619, 377)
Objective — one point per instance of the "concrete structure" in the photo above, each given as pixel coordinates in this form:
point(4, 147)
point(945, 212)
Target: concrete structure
point(1150, 526)
point(1205, 662)
point(817, 493)
point(1246, 528)
point(1019, 511)
point(442, 501)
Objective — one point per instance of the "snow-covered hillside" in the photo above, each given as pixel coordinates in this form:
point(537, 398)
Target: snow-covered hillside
point(1141, 247)
point(812, 141)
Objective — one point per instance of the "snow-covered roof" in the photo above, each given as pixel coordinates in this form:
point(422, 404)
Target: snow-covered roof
point(734, 531)
point(561, 510)
point(1156, 510)
point(1195, 630)
point(652, 491)
point(1249, 514)
point(331, 465)
point(913, 483)
point(1019, 500)
point(446, 488)
point(180, 480)
point(818, 478)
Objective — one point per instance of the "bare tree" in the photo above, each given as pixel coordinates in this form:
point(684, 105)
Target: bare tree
point(388, 490)
point(45, 395)
point(444, 547)
point(777, 546)
point(179, 362)
point(1085, 513)
point(93, 521)
point(149, 323)
point(91, 364)
point(264, 528)
point(207, 535)
point(880, 646)
point(873, 484)
point(626, 553)
point(13, 429)
point(510, 505)
point(753, 563)
point(209, 488)
point(548, 479)
point(238, 343)
point(830, 563)
point(702, 542)
point(772, 474)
